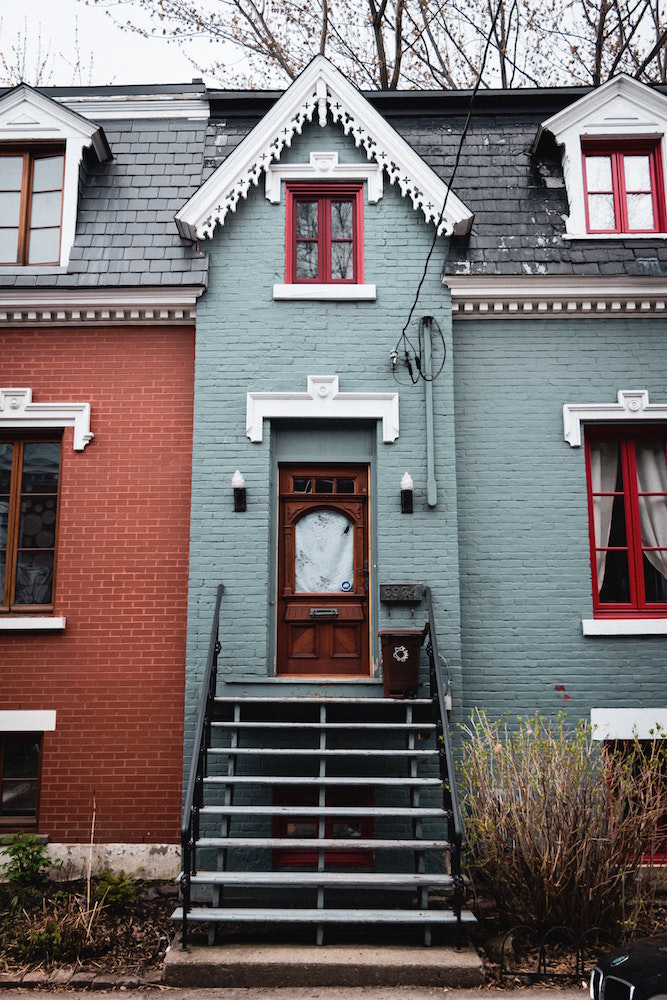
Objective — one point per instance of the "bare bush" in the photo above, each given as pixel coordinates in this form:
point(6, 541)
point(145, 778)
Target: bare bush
point(558, 827)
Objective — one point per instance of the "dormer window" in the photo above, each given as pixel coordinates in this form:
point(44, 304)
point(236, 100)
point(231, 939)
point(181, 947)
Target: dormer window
point(624, 187)
point(31, 198)
point(324, 233)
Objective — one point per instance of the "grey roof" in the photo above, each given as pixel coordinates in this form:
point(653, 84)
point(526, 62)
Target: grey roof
point(126, 235)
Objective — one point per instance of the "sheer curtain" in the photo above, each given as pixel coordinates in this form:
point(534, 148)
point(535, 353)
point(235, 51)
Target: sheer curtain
point(604, 472)
point(652, 478)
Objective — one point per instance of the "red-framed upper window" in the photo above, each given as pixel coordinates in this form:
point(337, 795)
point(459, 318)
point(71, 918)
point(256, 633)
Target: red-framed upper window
point(626, 473)
point(324, 233)
point(624, 186)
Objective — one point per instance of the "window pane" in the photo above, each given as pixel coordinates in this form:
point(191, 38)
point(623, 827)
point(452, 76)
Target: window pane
point(637, 173)
point(10, 208)
point(19, 776)
point(4, 519)
point(45, 210)
point(306, 260)
point(21, 757)
point(41, 462)
point(651, 465)
point(341, 261)
point(324, 562)
point(598, 173)
point(3, 563)
point(34, 578)
point(345, 485)
point(44, 246)
point(640, 211)
point(11, 173)
point(341, 219)
point(655, 584)
point(38, 523)
point(306, 219)
point(9, 246)
point(616, 586)
point(6, 453)
point(47, 173)
point(301, 485)
point(324, 485)
point(601, 214)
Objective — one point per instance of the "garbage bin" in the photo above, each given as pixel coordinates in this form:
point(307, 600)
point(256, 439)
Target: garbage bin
point(400, 660)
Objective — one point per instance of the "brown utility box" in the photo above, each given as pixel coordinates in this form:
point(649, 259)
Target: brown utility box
point(400, 660)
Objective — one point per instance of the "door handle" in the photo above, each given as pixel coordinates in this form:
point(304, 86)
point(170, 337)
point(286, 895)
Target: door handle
point(324, 612)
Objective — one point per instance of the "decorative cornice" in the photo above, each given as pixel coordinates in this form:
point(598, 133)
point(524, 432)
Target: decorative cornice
point(540, 297)
point(324, 167)
point(131, 108)
point(631, 405)
point(322, 400)
point(323, 91)
point(18, 410)
point(20, 307)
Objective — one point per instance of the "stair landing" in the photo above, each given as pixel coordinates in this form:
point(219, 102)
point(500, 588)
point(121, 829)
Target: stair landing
point(253, 966)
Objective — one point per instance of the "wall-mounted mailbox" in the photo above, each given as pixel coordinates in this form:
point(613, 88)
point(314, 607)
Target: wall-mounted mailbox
point(401, 593)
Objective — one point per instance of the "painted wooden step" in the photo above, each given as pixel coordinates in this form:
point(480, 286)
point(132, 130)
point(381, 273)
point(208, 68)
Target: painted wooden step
point(338, 782)
point(315, 752)
point(363, 727)
point(296, 878)
point(314, 916)
point(316, 844)
point(325, 700)
point(346, 811)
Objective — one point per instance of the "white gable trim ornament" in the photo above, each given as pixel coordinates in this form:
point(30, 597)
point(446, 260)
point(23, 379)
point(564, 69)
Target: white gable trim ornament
point(322, 400)
point(321, 89)
point(17, 410)
point(622, 109)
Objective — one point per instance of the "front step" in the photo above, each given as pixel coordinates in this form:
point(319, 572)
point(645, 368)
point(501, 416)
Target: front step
point(312, 809)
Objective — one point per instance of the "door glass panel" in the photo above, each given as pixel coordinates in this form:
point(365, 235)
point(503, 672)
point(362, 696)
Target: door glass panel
point(324, 547)
point(345, 485)
point(324, 485)
point(300, 485)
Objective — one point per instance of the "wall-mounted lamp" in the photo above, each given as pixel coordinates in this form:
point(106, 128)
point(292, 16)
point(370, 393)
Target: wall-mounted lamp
point(240, 496)
point(406, 493)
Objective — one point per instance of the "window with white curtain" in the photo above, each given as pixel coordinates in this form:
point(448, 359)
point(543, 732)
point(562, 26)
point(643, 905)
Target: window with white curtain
point(627, 495)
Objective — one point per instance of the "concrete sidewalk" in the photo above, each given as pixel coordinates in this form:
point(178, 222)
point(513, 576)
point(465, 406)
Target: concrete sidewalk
point(316, 993)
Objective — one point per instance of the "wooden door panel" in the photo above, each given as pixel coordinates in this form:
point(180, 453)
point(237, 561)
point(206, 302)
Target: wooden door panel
point(323, 609)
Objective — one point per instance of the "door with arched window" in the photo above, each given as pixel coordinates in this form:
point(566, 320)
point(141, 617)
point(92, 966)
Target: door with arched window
point(323, 622)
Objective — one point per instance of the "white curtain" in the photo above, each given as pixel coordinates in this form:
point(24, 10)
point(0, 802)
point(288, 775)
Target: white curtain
point(324, 563)
point(652, 478)
point(604, 472)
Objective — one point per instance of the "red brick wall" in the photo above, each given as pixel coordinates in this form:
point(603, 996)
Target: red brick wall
point(115, 676)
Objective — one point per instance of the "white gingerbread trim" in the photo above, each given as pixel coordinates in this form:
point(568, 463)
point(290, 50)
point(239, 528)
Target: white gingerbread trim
point(18, 410)
point(323, 89)
point(632, 405)
point(620, 109)
point(322, 400)
point(27, 115)
point(324, 167)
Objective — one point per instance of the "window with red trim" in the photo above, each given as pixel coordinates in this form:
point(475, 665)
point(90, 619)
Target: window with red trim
point(624, 187)
point(324, 233)
point(627, 502)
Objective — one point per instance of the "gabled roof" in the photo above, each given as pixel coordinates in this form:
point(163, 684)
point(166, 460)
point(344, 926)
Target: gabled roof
point(27, 115)
point(321, 89)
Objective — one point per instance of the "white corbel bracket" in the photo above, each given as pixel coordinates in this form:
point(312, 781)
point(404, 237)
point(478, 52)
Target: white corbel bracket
point(18, 410)
point(632, 405)
point(322, 400)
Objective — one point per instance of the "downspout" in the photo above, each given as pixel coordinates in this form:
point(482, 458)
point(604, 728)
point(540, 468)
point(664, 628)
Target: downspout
point(431, 484)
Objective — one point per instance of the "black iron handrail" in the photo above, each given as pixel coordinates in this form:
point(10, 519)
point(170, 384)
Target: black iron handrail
point(447, 766)
point(193, 800)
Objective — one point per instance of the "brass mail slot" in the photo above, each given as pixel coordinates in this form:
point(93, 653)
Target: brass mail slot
point(324, 612)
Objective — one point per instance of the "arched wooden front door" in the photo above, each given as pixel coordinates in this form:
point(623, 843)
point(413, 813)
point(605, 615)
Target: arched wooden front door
point(323, 623)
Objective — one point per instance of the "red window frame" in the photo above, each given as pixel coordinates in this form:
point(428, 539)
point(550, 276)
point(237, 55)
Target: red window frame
point(616, 151)
point(626, 495)
point(324, 194)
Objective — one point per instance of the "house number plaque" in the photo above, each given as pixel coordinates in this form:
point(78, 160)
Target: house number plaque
point(401, 593)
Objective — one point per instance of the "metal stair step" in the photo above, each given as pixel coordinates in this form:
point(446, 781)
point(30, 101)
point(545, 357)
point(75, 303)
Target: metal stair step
point(305, 810)
point(297, 878)
point(341, 782)
point(314, 916)
point(422, 727)
point(316, 844)
point(325, 700)
point(314, 752)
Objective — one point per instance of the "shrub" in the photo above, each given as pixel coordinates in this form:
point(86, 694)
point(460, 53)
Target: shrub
point(557, 828)
point(27, 868)
point(117, 891)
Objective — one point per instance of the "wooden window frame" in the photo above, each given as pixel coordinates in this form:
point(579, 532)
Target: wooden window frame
point(626, 438)
point(31, 153)
point(324, 194)
point(616, 151)
point(7, 595)
point(20, 821)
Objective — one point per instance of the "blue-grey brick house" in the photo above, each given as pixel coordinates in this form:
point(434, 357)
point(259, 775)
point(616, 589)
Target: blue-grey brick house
point(429, 431)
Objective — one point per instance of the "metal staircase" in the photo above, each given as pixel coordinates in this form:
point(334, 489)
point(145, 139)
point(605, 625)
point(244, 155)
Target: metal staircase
point(325, 812)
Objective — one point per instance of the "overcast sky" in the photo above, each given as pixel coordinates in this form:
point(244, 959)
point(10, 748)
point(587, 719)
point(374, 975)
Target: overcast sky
point(107, 53)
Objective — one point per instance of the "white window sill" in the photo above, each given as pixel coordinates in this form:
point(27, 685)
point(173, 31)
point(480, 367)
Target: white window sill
point(615, 236)
point(27, 721)
point(33, 623)
point(319, 293)
point(624, 626)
